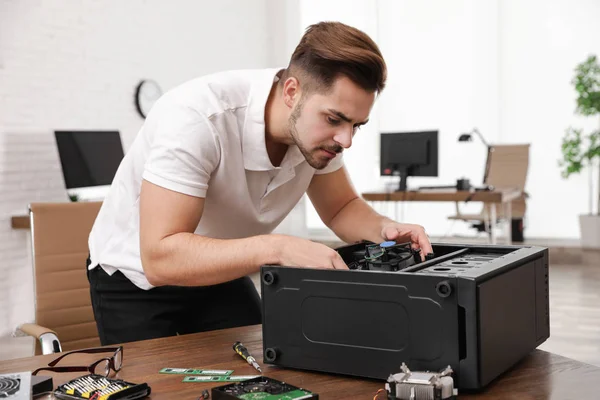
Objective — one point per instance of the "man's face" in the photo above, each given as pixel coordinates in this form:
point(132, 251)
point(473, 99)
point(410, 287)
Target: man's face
point(323, 124)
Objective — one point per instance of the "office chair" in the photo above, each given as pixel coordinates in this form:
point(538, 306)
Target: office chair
point(64, 319)
point(506, 167)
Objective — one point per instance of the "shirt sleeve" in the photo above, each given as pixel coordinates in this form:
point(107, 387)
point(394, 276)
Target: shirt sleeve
point(184, 149)
point(334, 165)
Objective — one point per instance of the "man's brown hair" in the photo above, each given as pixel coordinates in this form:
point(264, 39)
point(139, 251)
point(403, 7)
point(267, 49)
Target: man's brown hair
point(330, 49)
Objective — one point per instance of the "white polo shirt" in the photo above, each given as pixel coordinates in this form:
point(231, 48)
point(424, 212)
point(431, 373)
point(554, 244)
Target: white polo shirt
point(204, 138)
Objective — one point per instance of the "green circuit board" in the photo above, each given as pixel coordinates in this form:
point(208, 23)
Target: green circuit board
point(262, 388)
point(293, 395)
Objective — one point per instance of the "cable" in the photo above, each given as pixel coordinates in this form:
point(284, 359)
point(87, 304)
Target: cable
point(378, 393)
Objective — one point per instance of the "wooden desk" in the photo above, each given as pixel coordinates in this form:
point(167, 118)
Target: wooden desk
point(20, 222)
point(542, 375)
point(491, 198)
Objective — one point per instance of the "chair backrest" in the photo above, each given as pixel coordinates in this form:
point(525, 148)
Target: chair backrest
point(60, 234)
point(506, 167)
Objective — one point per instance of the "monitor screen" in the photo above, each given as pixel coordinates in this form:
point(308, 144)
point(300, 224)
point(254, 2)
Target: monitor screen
point(405, 151)
point(407, 154)
point(89, 158)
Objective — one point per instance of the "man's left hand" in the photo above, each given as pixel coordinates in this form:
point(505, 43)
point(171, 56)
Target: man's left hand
point(415, 234)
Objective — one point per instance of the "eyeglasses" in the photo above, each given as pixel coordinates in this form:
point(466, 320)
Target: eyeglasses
point(100, 367)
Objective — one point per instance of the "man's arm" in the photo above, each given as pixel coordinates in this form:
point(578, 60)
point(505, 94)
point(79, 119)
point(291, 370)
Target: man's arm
point(352, 219)
point(173, 255)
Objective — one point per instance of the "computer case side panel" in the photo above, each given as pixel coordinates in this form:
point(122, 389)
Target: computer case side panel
point(513, 319)
point(493, 311)
point(358, 323)
point(468, 365)
point(542, 298)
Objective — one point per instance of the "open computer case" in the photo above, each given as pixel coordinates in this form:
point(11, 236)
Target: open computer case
point(477, 308)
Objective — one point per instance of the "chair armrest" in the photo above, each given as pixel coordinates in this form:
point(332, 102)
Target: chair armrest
point(47, 337)
point(35, 330)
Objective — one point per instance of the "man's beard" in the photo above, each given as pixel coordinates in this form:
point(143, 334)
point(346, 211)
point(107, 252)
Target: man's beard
point(311, 156)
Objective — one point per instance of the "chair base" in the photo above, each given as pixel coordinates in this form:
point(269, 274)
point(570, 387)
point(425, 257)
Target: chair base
point(517, 229)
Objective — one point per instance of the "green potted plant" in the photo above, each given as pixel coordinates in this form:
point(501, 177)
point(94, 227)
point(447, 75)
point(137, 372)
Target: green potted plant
point(580, 150)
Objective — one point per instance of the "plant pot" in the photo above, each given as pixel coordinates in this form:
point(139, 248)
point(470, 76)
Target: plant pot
point(589, 226)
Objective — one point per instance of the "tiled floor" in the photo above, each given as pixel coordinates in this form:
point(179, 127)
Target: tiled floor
point(575, 312)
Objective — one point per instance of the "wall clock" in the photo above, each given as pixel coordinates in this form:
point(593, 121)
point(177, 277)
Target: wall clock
point(146, 94)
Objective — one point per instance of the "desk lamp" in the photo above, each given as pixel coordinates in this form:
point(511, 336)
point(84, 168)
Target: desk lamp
point(467, 137)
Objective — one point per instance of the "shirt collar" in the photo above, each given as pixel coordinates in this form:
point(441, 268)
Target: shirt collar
point(254, 148)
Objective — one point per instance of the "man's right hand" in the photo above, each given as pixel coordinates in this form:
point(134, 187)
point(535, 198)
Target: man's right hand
point(297, 252)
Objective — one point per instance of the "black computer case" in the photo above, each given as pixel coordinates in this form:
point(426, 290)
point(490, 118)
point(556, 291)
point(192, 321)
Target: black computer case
point(479, 309)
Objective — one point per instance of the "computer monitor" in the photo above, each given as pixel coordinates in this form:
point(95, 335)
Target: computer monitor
point(407, 154)
point(89, 161)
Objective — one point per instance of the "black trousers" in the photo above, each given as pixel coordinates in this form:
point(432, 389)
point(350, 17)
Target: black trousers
point(126, 313)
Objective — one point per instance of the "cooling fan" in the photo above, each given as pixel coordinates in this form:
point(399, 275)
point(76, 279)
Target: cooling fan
point(15, 386)
point(386, 256)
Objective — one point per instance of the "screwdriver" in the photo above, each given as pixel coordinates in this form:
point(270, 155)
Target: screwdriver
point(239, 348)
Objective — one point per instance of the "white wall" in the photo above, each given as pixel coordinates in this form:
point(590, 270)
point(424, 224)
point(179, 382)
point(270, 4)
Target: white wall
point(363, 15)
point(541, 43)
point(285, 29)
point(443, 75)
point(502, 66)
point(440, 76)
point(75, 65)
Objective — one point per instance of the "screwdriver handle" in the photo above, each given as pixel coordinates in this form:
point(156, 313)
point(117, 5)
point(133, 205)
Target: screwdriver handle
point(239, 348)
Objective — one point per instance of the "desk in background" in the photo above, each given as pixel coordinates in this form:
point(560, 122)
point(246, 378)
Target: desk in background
point(491, 198)
point(20, 222)
point(541, 375)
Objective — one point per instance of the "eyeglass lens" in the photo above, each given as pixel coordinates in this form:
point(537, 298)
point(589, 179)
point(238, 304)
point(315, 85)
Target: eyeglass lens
point(118, 360)
point(102, 368)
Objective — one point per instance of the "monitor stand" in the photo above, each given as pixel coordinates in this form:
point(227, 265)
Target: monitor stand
point(403, 178)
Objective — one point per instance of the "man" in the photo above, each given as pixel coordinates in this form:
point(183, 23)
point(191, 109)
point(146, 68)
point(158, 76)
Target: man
point(219, 163)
